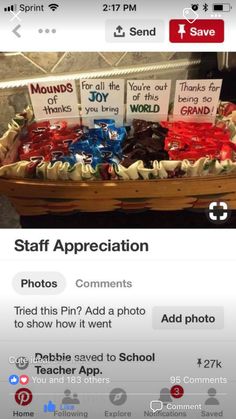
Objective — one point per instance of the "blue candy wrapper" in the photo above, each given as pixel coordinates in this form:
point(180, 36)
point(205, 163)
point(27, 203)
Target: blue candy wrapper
point(99, 145)
point(105, 124)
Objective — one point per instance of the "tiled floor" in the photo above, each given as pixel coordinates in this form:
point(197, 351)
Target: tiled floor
point(8, 217)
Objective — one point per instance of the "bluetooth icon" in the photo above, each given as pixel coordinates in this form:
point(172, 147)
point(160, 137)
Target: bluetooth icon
point(205, 7)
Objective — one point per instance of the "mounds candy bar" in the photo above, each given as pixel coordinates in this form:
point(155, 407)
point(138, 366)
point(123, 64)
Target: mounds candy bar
point(62, 132)
point(38, 126)
point(27, 147)
point(43, 141)
point(29, 152)
point(45, 152)
point(62, 127)
point(59, 151)
point(59, 126)
point(38, 131)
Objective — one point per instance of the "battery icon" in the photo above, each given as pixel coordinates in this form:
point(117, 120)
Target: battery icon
point(222, 7)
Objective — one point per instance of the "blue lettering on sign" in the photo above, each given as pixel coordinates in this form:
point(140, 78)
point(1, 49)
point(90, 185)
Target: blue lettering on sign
point(98, 97)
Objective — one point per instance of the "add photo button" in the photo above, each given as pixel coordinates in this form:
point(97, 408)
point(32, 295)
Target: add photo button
point(135, 31)
point(188, 318)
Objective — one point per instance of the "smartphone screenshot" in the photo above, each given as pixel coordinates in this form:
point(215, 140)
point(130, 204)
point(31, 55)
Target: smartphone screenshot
point(117, 209)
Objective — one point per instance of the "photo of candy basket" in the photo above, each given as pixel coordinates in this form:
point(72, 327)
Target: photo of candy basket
point(48, 188)
point(164, 180)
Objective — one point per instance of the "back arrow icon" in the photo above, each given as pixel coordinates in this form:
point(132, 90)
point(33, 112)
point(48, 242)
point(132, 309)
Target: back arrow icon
point(15, 31)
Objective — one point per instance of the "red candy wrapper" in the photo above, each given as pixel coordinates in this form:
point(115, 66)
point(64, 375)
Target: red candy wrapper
point(192, 141)
point(228, 152)
point(46, 142)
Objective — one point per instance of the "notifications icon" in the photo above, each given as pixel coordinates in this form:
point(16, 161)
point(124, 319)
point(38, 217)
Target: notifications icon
point(190, 15)
point(156, 406)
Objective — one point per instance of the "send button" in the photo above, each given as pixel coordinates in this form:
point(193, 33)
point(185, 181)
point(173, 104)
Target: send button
point(135, 31)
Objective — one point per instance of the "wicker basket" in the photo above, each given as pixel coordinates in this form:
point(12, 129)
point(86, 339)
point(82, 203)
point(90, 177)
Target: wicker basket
point(36, 197)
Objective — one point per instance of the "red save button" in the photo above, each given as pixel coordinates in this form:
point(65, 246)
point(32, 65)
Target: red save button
point(202, 30)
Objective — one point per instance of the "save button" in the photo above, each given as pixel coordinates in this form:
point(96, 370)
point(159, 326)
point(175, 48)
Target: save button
point(201, 31)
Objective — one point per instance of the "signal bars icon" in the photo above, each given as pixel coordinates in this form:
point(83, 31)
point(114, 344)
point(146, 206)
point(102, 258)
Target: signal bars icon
point(12, 8)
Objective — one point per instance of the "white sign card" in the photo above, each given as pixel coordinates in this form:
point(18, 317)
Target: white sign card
point(148, 99)
point(197, 100)
point(54, 100)
point(102, 98)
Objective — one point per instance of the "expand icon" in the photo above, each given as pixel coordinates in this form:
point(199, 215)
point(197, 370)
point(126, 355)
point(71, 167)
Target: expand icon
point(218, 212)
